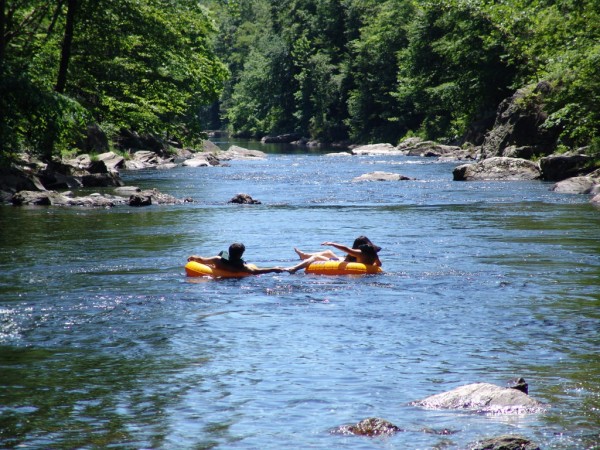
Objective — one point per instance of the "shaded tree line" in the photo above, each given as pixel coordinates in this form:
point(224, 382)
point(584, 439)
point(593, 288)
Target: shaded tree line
point(332, 70)
point(381, 70)
point(141, 65)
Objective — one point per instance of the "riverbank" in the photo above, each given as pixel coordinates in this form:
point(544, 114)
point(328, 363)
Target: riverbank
point(32, 182)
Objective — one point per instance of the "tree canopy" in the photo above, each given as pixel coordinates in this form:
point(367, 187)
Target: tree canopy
point(370, 70)
point(142, 65)
point(360, 70)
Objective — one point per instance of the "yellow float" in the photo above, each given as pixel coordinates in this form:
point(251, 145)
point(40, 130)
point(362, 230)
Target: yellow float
point(196, 269)
point(341, 268)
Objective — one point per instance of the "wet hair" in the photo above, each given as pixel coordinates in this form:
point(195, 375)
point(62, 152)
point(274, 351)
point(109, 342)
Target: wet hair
point(361, 240)
point(236, 250)
point(367, 248)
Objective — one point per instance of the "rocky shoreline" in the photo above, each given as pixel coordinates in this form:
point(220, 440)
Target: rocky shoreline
point(518, 147)
point(32, 182)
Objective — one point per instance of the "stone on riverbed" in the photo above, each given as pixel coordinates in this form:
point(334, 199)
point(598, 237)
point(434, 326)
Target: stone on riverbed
point(484, 398)
point(244, 199)
point(372, 426)
point(507, 442)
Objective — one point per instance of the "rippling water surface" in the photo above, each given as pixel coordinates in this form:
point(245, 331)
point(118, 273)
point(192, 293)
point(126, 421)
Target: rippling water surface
point(105, 343)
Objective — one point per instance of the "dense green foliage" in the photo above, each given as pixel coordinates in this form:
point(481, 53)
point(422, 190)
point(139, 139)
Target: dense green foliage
point(364, 70)
point(374, 70)
point(142, 65)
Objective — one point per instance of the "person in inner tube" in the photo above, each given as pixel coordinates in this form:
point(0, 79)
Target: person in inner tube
point(362, 251)
point(232, 261)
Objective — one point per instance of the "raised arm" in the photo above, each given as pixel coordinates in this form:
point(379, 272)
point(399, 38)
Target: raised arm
point(344, 248)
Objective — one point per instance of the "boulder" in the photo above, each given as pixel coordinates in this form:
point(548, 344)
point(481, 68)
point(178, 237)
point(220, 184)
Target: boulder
point(244, 199)
point(498, 168)
point(154, 197)
point(17, 178)
point(506, 442)
point(145, 159)
point(596, 199)
point(53, 198)
point(281, 139)
point(381, 176)
point(234, 152)
point(578, 185)
point(376, 149)
point(519, 122)
point(95, 140)
point(560, 167)
point(372, 426)
point(484, 398)
point(202, 160)
point(112, 161)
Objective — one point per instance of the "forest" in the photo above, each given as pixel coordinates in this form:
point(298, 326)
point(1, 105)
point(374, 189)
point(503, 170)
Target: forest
point(359, 71)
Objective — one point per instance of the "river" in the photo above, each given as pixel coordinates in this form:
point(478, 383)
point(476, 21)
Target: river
point(105, 343)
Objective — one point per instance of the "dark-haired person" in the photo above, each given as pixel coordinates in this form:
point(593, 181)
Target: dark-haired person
point(362, 251)
point(232, 261)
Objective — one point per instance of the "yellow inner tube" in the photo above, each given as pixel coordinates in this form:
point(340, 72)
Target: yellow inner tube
point(196, 269)
point(341, 268)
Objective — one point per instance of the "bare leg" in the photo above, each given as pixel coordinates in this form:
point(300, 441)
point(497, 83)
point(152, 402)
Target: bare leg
point(301, 265)
point(324, 255)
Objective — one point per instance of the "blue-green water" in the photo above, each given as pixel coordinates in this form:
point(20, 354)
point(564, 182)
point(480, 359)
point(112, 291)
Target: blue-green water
point(104, 343)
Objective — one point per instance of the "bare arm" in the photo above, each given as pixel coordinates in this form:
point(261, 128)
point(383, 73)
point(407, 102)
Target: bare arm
point(259, 271)
point(351, 251)
point(209, 261)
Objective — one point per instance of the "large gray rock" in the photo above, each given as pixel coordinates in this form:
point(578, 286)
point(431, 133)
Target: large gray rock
point(484, 398)
point(202, 160)
point(381, 176)
point(376, 149)
point(498, 168)
point(519, 123)
point(235, 152)
point(560, 167)
point(112, 161)
point(52, 198)
point(578, 185)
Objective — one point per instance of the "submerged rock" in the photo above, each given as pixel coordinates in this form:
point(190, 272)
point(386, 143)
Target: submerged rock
point(372, 426)
point(484, 398)
point(244, 199)
point(507, 442)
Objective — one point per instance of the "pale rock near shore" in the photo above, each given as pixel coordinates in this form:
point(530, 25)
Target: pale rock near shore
point(578, 185)
point(376, 149)
point(235, 152)
point(381, 176)
point(484, 398)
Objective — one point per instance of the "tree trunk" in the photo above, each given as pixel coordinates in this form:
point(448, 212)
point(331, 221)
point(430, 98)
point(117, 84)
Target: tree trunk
point(66, 47)
point(2, 30)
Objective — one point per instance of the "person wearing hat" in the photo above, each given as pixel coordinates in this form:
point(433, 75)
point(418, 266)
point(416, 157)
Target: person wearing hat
point(232, 261)
point(362, 251)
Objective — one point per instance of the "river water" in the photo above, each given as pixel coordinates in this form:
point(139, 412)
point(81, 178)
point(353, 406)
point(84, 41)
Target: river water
point(104, 343)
